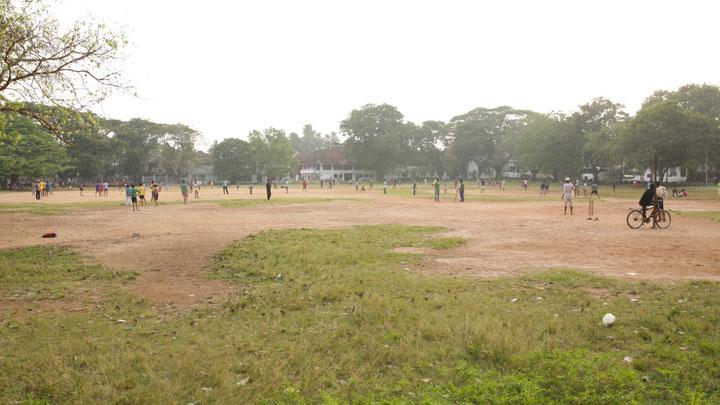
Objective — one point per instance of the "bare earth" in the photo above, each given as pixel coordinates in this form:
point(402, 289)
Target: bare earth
point(503, 238)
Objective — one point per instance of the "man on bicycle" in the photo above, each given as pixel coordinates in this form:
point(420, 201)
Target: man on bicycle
point(647, 200)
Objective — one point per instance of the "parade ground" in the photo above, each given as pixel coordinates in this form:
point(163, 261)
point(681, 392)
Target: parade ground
point(506, 232)
point(341, 296)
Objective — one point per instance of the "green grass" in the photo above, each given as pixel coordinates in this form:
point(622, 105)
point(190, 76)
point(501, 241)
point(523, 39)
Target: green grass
point(41, 208)
point(493, 193)
point(338, 317)
point(44, 273)
point(714, 215)
point(240, 203)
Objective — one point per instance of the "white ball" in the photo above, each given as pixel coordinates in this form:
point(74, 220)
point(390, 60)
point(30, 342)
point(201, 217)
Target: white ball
point(608, 319)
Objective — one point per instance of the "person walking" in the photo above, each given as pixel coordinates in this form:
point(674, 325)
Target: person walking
point(268, 187)
point(305, 185)
point(568, 192)
point(225, 187)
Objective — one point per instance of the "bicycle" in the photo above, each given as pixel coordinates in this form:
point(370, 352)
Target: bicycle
point(659, 216)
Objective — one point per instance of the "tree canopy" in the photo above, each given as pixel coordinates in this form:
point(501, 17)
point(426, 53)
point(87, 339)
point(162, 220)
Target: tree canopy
point(44, 65)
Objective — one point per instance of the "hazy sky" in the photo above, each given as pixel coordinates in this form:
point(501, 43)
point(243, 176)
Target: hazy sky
point(226, 67)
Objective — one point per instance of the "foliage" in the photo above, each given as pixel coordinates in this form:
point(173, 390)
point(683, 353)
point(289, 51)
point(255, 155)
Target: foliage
point(598, 123)
point(377, 137)
point(312, 140)
point(43, 64)
point(232, 159)
point(679, 137)
point(272, 153)
point(489, 136)
point(28, 150)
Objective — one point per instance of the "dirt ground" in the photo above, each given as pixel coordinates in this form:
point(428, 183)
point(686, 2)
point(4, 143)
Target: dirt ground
point(170, 245)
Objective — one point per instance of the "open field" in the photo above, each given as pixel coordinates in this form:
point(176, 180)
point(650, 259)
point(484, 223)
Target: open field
point(338, 296)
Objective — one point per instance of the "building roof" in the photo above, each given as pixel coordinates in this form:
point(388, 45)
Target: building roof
point(331, 156)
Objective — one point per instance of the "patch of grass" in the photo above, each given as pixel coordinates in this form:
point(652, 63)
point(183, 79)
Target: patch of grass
point(714, 215)
point(44, 208)
point(43, 272)
point(257, 202)
point(334, 316)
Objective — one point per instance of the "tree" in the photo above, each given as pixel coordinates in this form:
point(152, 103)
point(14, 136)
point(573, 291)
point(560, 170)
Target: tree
point(703, 99)
point(430, 143)
point(271, 153)
point(488, 137)
point(534, 151)
point(29, 151)
point(232, 159)
point(177, 148)
point(377, 138)
point(598, 123)
point(41, 64)
point(679, 137)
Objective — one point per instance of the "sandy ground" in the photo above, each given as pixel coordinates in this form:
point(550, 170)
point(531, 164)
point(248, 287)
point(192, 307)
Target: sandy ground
point(172, 243)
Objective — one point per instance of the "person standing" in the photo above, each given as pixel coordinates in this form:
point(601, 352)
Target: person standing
point(462, 191)
point(197, 189)
point(141, 194)
point(568, 192)
point(482, 185)
point(106, 189)
point(81, 189)
point(37, 190)
point(250, 187)
point(268, 187)
point(184, 191)
point(414, 186)
point(225, 187)
point(594, 190)
point(384, 186)
point(153, 193)
point(128, 201)
point(436, 186)
point(305, 185)
point(133, 198)
point(287, 186)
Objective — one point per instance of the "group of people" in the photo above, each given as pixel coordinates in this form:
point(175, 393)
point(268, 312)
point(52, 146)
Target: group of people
point(42, 188)
point(135, 194)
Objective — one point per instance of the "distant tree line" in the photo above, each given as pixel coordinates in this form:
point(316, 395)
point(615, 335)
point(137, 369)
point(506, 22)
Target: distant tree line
point(681, 128)
point(94, 148)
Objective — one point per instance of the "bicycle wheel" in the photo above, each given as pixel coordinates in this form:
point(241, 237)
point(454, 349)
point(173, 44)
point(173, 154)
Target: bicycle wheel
point(635, 219)
point(662, 219)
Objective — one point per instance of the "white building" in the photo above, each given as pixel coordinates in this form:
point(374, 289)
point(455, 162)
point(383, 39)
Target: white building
point(327, 164)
